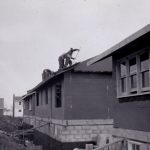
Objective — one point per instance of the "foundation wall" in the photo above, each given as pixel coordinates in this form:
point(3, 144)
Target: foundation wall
point(70, 130)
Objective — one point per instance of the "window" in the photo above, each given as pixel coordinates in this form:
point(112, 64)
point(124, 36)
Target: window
point(19, 110)
point(19, 103)
point(133, 74)
point(46, 96)
point(58, 96)
point(135, 147)
point(132, 145)
point(123, 78)
point(144, 68)
point(41, 97)
point(30, 103)
point(37, 99)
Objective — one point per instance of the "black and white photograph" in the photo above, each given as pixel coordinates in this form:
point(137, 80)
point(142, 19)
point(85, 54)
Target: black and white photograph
point(74, 75)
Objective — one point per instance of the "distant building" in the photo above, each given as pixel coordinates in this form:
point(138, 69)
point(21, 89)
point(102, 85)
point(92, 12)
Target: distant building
point(1, 106)
point(8, 112)
point(17, 106)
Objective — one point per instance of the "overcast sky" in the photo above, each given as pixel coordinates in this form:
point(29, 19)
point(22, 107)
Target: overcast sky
point(33, 33)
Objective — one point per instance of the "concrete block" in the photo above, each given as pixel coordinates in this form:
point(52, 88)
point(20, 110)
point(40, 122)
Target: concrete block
point(78, 127)
point(70, 128)
point(75, 132)
point(93, 127)
point(86, 136)
point(66, 132)
point(81, 131)
point(88, 131)
point(96, 131)
point(78, 136)
point(85, 127)
point(70, 138)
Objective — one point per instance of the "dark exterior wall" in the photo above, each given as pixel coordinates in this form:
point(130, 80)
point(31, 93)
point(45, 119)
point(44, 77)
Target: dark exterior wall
point(1, 112)
point(43, 110)
point(27, 111)
point(88, 96)
point(49, 110)
point(131, 112)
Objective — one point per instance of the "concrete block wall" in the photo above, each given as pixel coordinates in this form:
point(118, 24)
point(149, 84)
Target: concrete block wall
point(71, 130)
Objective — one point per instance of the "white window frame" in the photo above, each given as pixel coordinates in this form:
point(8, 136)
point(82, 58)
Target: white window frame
point(30, 103)
point(139, 90)
point(130, 143)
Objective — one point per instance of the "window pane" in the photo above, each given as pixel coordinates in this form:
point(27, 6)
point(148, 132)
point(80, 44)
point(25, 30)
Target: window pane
point(58, 102)
point(145, 79)
point(123, 84)
point(133, 81)
point(137, 147)
point(123, 69)
point(46, 96)
point(132, 64)
point(144, 59)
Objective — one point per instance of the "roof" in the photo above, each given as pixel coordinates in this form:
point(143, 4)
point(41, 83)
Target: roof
point(100, 67)
point(16, 98)
point(121, 44)
point(103, 66)
point(28, 94)
point(58, 73)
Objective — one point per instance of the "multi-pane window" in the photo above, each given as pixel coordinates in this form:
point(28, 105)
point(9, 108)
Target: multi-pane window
point(134, 74)
point(58, 95)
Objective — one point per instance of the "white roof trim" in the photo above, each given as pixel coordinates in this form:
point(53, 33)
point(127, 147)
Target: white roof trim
point(27, 95)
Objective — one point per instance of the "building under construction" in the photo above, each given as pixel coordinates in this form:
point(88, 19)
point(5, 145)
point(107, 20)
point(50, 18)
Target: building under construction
point(71, 107)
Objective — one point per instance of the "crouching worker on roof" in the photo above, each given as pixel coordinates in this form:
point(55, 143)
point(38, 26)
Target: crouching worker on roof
point(65, 60)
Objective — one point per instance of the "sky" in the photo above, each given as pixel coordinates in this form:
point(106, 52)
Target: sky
point(34, 33)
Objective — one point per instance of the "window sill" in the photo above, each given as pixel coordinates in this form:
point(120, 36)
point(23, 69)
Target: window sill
point(133, 95)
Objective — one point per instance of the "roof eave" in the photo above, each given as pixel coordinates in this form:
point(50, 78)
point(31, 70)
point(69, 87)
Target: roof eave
point(121, 44)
